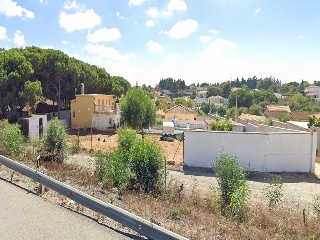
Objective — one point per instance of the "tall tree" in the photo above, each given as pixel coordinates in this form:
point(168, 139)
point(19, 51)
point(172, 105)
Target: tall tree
point(137, 109)
point(32, 93)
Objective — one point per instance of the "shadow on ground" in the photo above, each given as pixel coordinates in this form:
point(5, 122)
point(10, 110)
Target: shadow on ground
point(287, 177)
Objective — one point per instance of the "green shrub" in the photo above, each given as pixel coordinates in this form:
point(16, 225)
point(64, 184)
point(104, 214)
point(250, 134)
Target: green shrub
point(75, 146)
point(159, 121)
point(274, 192)
point(11, 138)
point(232, 185)
point(146, 165)
point(55, 140)
point(126, 138)
point(221, 125)
point(113, 169)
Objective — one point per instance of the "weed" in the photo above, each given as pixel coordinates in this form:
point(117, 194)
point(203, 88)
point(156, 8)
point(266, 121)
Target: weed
point(274, 192)
point(232, 185)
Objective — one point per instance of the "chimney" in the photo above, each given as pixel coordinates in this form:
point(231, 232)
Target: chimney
point(82, 88)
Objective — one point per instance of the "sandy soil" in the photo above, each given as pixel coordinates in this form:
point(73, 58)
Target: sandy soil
point(299, 188)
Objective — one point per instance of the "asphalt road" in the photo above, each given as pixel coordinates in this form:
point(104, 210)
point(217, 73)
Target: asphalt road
point(24, 215)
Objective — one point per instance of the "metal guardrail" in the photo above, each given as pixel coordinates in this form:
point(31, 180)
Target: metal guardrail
point(130, 220)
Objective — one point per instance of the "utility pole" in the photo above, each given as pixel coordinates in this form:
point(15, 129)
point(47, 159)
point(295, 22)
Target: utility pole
point(236, 112)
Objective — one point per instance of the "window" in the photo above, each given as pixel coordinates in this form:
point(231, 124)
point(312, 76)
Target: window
point(102, 101)
point(74, 114)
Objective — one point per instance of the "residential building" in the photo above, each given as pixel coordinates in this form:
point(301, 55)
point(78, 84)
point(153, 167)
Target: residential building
point(181, 112)
point(202, 94)
point(95, 110)
point(217, 100)
point(313, 91)
point(275, 110)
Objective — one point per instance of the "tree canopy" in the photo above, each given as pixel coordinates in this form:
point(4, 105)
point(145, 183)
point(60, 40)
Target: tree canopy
point(137, 109)
point(58, 74)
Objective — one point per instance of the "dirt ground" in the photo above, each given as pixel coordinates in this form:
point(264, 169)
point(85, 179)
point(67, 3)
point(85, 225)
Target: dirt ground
point(108, 141)
point(299, 188)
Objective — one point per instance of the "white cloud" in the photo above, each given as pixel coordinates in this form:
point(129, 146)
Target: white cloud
point(176, 5)
point(154, 47)
point(182, 28)
point(120, 16)
point(258, 10)
point(300, 36)
point(153, 12)
point(44, 1)
point(72, 22)
point(11, 9)
point(150, 23)
point(204, 38)
point(65, 42)
point(135, 2)
point(173, 5)
point(71, 5)
point(19, 38)
point(3, 33)
point(108, 52)
point(104, 35)
point(213, 31)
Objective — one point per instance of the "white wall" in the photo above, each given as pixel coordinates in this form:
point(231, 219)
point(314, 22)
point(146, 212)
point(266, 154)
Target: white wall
point(263, 152)
point(193, 124)
point(103, 121)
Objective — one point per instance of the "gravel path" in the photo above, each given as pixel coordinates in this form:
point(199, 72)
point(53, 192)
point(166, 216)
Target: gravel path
point(298, 188)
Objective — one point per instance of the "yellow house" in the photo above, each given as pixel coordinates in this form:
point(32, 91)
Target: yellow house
point(181, 112)
point(94, 110)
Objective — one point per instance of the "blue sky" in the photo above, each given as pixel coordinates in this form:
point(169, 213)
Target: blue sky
point(198, 41)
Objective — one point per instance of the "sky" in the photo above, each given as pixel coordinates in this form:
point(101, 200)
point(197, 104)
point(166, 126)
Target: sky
point(194, 40)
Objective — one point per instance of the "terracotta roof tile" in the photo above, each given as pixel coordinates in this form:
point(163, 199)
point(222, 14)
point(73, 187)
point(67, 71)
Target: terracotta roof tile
point(180, 109)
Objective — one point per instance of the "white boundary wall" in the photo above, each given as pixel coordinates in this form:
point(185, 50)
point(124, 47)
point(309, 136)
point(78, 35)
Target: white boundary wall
point(262, 152)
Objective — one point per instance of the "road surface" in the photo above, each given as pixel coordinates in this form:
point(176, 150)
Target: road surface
point(24, 215)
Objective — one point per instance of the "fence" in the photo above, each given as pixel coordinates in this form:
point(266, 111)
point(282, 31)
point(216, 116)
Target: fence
point(136, 223)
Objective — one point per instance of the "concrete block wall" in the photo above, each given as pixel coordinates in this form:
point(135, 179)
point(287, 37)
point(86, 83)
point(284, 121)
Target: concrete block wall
point(263, 152)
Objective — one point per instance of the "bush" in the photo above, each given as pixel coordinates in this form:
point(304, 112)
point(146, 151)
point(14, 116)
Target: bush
point(221, 125)
point(126, 138)
point(11, 138)
point(159, 121)
point(75, 146)
point(232, 185)
point(274, 192)
point(147, 164)
point(113, 169)
point(55, 140)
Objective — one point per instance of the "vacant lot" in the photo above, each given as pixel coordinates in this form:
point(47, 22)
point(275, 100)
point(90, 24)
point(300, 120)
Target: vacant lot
point(299, 188)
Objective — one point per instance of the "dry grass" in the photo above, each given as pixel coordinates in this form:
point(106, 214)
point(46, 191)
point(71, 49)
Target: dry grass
point(190, 213)
point(194, 216)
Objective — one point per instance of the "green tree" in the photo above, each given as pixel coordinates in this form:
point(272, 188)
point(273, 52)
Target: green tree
point(243, 97)
point(205, 108)
point(137, 109)
point(32, 93)
point(214, 91)
point(183, 102)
